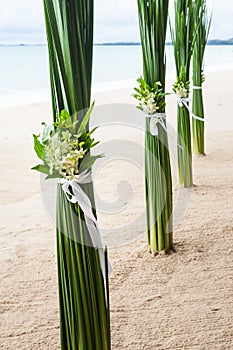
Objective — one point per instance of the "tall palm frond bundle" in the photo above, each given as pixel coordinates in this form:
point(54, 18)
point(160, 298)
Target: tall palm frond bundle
point(153, 16)
point(202, 26)
point(70, 41)
point(83, 287)
point(183, 37)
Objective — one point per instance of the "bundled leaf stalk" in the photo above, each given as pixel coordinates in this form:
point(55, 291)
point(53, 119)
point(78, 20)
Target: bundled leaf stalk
point(153, 15)
point(83, 284)
point(183, 37)
point(202, 26)
point(64, 151)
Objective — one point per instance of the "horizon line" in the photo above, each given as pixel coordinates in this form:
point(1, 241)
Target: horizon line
point(114, 43)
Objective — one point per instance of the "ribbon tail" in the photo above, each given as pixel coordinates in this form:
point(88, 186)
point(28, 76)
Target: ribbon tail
point(83, 200)
point(185, 104)
point(80, 197)
point(198, 118)
point(70, 197)
point(97, 242)
point(153, 128)
point(162, 123)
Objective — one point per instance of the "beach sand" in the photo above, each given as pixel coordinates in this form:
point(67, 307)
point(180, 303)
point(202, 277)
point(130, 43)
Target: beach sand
point(180, 301)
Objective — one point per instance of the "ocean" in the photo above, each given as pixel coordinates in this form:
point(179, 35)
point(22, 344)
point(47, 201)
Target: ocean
point(24, 74)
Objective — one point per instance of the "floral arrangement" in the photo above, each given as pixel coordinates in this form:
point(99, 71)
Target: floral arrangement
point(151, 99)
point(64, 147)
point(181, 88)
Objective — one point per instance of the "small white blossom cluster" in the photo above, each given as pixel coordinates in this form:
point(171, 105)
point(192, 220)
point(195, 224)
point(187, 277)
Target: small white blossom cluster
point(181, 90)
point(149, 105)
point(62, 154)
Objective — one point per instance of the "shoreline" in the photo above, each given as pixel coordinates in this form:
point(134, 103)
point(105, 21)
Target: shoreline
point(100, 88)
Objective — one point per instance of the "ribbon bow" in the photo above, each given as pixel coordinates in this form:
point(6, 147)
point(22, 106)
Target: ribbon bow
point(80, 197)
point(155, 119)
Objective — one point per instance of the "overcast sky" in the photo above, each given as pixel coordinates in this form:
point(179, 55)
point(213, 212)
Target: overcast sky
point(22, 21)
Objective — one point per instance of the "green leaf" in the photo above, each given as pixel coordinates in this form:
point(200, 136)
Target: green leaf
point(64, 114)
point(83, 127)
point(63, 120)
point(48, 129)
point(54, 175)
point(38, 147)
point(92, 131)
point(88, 162)
point(41, 168)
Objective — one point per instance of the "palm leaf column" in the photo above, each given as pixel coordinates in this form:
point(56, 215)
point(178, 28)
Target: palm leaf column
point(183, 40)
point(153, 15)
point(202, 27)
point(83, 287)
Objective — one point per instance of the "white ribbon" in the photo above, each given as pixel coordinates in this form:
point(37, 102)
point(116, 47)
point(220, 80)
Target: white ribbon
point(80, 197)
point(197, 87)
point(183, 101)
point(155, 119)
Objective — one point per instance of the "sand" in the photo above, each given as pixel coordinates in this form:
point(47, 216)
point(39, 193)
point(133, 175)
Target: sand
point(180, 301)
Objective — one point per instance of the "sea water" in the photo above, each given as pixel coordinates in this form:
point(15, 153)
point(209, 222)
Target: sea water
point(24, 73)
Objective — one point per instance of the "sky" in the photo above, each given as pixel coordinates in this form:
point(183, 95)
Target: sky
point(115, 20)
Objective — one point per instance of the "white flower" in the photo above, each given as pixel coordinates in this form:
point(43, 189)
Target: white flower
point(80, 153)
point(148, 104)
point(150, 107)
point(63, 153)
point(181, 90)
point(66, 135)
